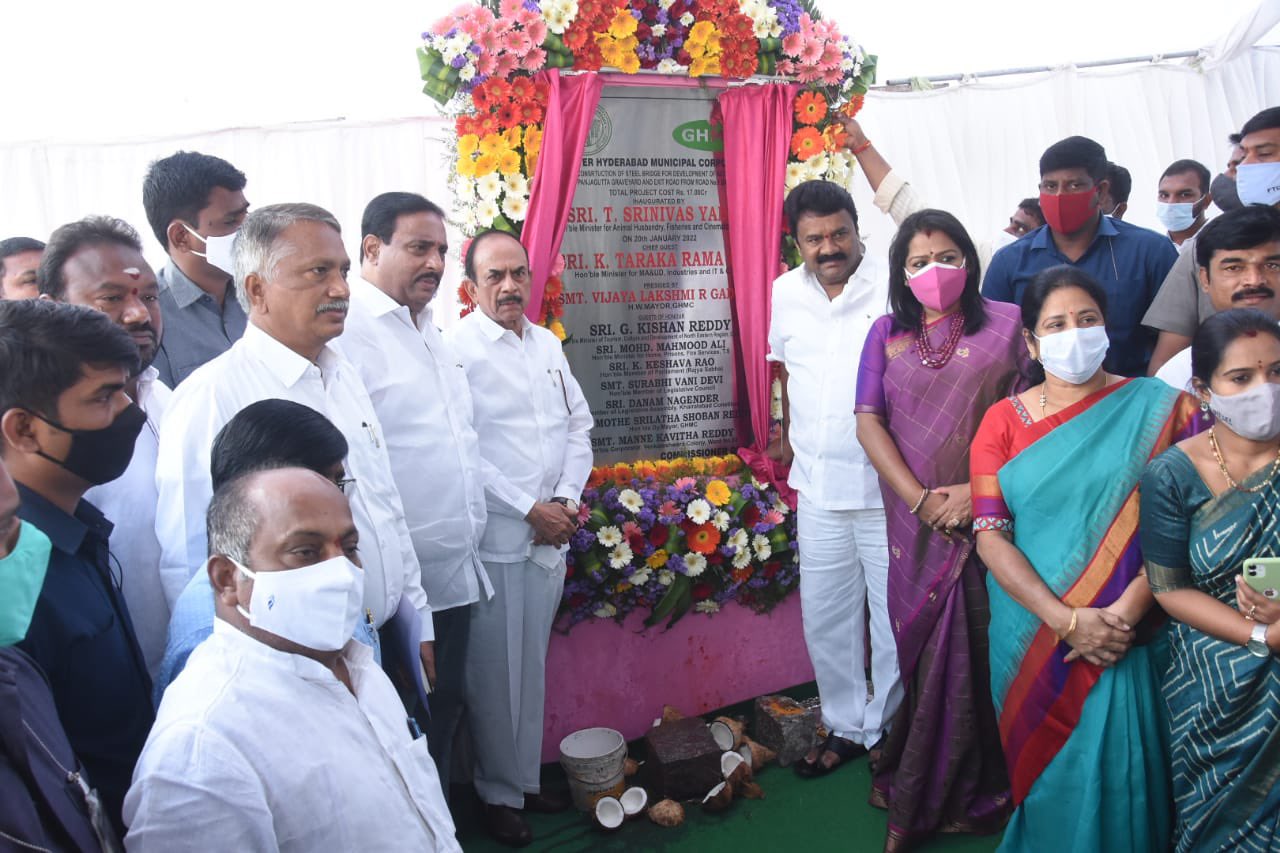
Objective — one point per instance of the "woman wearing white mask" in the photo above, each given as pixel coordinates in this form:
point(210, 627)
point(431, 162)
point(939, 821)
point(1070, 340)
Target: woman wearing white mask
point(1209, 504)
point(1055, 472)
point(929, 371)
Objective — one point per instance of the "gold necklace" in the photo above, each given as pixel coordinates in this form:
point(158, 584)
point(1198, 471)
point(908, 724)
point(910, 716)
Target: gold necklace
point(1222, 466)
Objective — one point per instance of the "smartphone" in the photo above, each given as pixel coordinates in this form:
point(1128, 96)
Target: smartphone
point(1263, 574)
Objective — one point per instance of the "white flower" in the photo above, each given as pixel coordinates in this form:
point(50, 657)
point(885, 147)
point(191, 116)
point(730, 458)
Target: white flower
point(753, 8)
point(605, 611)
point(742, 559)
point(666, 576)
point(631, 500)
point(489, 187)
point(737, 539)
point(640, 577)
point(816, 166)
point(657, 30)
point(720, 521)
point(796, 175)
point(466, 72)
point(761, 28)
point(515, 207)
point(694, 564)
point(781, 506)
point(486, 212)
point(556, 18)
point(464, 185)
point(699, 511)
point(620, 557)
point(775, 31)
point(670, 66)
point(609, 536)
point(515, 183)
point(707, 606)
point(687, 19)
point(761, 545)
point(665, 4)
point(775, 410)
point(467, 222)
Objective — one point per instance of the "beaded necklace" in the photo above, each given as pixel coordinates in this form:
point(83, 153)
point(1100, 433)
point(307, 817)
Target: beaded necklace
point(938, 358)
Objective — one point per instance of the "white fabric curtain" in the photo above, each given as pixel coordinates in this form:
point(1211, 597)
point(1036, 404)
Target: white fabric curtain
point(971, 149)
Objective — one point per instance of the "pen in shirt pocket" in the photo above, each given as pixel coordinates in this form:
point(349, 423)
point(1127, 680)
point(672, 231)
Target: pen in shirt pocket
point(564, 392)
point(373, 435)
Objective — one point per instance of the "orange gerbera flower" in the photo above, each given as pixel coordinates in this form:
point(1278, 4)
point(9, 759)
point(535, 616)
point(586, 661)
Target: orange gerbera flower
point(834, 137)
point(702, 538)
point(853, 106)
point(811, 108)
point(806, 142)
point(718, 492)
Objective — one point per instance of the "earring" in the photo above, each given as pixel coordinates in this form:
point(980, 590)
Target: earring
point(1204, 407)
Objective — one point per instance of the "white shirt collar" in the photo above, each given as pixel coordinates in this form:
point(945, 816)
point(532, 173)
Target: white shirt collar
point(302, 666)
point(284, 363)
point(492, 330)
point(377, 303)
point(866, 275)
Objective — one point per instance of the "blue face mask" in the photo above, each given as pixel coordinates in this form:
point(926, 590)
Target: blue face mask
point(21, 579)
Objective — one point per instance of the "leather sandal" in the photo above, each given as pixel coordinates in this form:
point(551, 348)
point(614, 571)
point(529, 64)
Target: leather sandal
point(843, 748)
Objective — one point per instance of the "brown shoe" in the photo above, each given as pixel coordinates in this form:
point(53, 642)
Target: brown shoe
point(546, 802)
point(506, 825)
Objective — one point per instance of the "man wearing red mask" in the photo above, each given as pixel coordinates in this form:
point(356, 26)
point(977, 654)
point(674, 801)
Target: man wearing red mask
point(1129, 262)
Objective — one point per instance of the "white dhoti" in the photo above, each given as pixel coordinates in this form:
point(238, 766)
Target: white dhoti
point(844, 567)
point(506, 668)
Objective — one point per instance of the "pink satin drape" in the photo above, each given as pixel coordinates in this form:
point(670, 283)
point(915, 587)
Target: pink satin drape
point(571, 105)
point(757, 134)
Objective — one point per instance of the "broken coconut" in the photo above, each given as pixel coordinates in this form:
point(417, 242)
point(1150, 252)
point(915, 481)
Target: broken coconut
point(757, 753)
point(670, 713)
point(727, 731)
point(630, 767)
point(718, 798)
point(667, 813)
point(609, 813)
point(750, 790)
point(735, 768)
point(633, 801)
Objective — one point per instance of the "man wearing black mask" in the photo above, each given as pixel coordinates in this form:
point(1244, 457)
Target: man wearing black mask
point(67, 425)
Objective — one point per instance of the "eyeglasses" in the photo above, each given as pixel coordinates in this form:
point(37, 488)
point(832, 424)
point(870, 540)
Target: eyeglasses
point(343, 482)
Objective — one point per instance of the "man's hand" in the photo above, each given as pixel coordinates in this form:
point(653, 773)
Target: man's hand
point(779, 450)
point(855, 138)
point(427, 651)
point(552, 523)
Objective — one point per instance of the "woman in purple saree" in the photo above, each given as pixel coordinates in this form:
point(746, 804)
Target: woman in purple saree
point(929, 372)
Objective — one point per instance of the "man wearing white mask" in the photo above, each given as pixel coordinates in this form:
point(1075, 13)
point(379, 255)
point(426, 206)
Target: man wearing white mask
point(1182, 197)
point(291, 272)
point(195, 203)
point(282, 733)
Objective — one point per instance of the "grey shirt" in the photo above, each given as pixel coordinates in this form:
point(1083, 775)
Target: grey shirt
point(195, 330)
point(1181, 305)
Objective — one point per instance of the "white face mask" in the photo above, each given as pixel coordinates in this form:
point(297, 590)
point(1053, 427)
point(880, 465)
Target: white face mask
point(1252, 414)
point(317, 606)
point(1074, 355)
point(1258, 183)
point(1177, 216)
point(217, 250)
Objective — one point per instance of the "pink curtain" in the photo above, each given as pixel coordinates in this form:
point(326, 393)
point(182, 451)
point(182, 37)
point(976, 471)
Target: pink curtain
point(757, 133)
point(571, 104)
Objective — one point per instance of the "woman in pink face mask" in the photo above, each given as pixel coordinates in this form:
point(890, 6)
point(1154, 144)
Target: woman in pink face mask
point(929, 371)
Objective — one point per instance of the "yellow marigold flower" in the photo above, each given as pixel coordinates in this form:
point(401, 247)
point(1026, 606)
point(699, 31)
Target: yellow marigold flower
point(532, 136)
point(466, 167)
point(485, 164)
point(512, 136)
point(699, 33)
point(623, 23)
point(622, 587)
point(557, 329)
point(699, 465)
point(718, 492)
point(493, 143)
point(713, 44)
point(508, 162)
point(530, 160)
point(630, 63)
point(702, 66)
point(657, 559)
point(468, 144)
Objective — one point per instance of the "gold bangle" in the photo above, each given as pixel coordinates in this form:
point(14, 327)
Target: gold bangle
point(916, 509)
point(1075, 620)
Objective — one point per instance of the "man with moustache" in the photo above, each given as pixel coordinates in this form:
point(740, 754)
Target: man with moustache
point(291, 271)
point(1238, 259)
point(420, 393)
point(97, 262)
point(822, 311)
point(534, 426)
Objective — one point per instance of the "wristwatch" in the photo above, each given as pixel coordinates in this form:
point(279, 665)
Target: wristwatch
point(1257, 644)
point(571, 505)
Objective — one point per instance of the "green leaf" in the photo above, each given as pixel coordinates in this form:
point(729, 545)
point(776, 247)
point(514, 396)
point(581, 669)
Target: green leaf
point(667, 603)
point(683, 605)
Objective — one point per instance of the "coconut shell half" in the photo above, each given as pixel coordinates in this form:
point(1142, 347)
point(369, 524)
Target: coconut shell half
point(609, 813)
point(758, 754)
point(728, 732)
point(633, 801)
point(630, 767)
point(666, 813)
point(718, 798)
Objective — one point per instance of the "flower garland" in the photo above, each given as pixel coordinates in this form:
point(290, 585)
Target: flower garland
point(670, 537)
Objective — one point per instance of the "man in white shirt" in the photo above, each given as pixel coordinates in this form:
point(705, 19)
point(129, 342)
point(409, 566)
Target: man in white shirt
point(291, 272)
point(282, 733)
point(419, 391)
point(1238, 261)
point(97, 262)
point(534, 426)
point(821, 313)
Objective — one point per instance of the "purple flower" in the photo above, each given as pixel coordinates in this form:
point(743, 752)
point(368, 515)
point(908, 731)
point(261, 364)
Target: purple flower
point(676, 564)
point(645, 518)
point(582, 540)
point(459, 61)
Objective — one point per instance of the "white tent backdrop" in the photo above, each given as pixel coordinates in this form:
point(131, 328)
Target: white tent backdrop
point(971, 149)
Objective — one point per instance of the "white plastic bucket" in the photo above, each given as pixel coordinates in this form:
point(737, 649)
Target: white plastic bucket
point(593, 760)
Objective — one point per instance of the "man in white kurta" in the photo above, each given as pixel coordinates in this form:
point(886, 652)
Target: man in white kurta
point(97, 262)
point(419, 391)
point(821, 313)
point(265, 743)
point(294, 311)
point(534, 426)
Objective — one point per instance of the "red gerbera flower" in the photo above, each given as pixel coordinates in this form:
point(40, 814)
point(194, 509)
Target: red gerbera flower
point(701, 538)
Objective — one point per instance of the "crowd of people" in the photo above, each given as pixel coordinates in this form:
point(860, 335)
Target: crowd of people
point(279, 559)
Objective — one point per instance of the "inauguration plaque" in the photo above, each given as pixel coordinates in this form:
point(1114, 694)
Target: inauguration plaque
point(647, 300)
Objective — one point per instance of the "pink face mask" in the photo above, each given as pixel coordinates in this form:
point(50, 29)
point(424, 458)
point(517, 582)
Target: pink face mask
point(938, 286)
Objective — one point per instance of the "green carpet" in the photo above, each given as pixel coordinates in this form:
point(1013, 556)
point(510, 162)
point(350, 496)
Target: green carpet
point(824, 814)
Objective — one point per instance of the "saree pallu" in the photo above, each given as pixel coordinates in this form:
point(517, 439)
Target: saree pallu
point(941, 769)
point(1085, 746)
point(1223, 702)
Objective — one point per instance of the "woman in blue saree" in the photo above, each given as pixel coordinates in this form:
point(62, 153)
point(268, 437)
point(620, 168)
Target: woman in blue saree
point(1208, 504)
point(1055, 474)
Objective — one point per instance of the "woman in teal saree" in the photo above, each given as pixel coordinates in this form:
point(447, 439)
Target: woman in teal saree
point(1209, 504)
point(1055, 472)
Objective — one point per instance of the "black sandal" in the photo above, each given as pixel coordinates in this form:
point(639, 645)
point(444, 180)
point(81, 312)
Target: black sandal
point(843, 748)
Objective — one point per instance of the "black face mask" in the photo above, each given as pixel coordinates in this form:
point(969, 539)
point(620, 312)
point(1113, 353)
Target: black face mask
point(100, 455)
point(1224, 194)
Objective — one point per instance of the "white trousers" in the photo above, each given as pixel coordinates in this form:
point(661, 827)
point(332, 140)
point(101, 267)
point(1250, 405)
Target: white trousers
point(844, 565)
point(506, 668)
